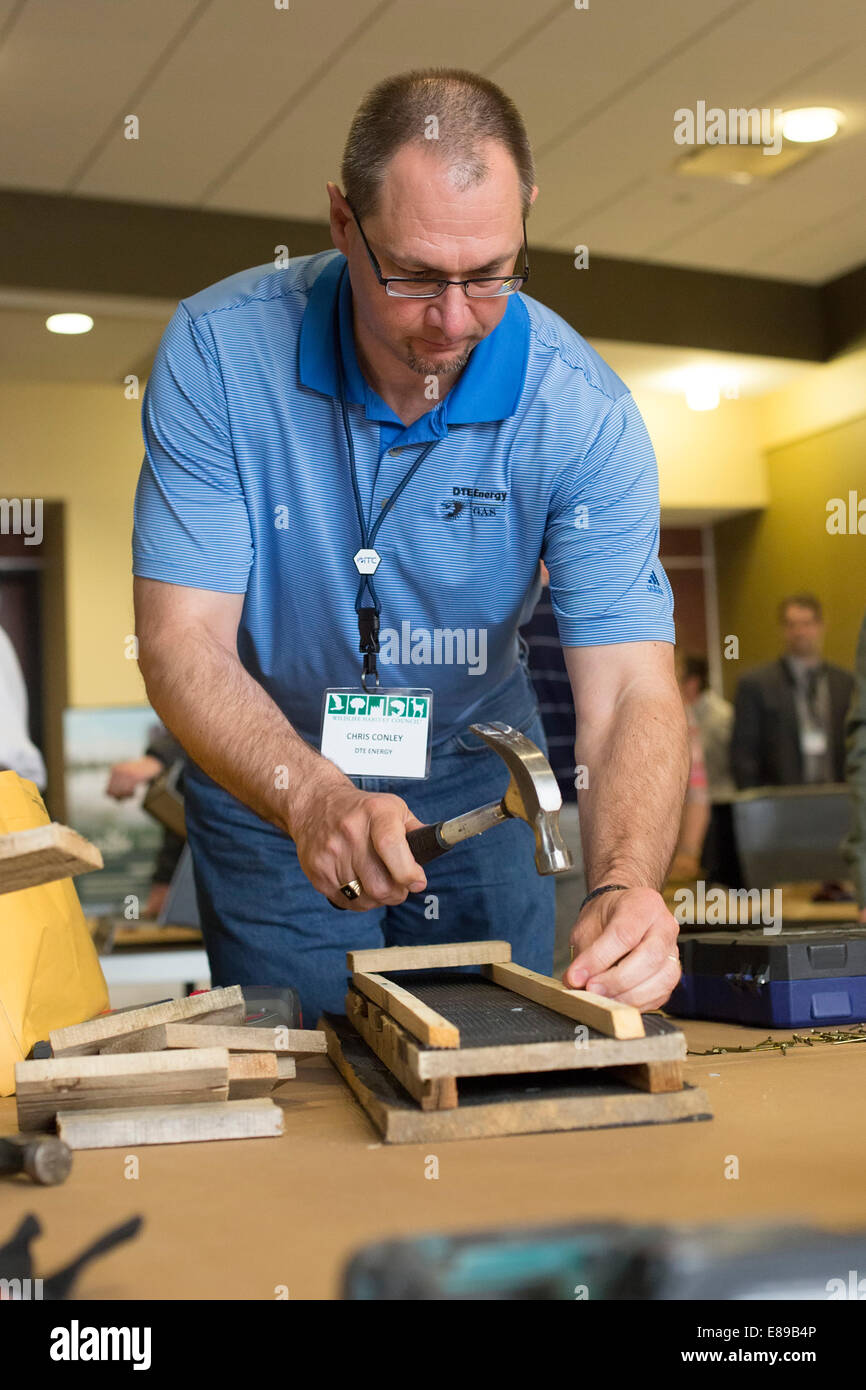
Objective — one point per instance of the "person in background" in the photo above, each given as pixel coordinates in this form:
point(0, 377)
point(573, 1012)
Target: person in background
point(855, 773)
point(789, 724)
point(710, 720)
point(17, 751)
point(162, 750)
point(556, 706)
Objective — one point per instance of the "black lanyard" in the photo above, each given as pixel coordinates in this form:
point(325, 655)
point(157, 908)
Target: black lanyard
point(368, 615)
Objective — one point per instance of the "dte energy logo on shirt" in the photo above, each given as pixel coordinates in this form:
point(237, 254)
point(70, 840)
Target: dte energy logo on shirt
point(485, 503)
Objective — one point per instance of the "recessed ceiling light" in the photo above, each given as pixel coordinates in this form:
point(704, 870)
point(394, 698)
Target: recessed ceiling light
point(69, 323)
point(703, 389)
point(809, 124)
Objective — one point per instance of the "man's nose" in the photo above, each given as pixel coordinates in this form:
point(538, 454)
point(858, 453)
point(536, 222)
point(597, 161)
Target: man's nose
point(450, 312)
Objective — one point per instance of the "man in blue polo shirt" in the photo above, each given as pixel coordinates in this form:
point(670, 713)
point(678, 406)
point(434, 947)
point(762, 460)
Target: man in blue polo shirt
point(389, 437)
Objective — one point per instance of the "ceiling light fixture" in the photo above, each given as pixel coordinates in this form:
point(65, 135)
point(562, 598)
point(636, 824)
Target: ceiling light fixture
point(702, 389)
point(69, 323)
point(809, 124)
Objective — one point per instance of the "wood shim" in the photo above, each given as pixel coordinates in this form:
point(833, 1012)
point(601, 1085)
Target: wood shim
point(652, 1076)
point(287, 1041)
point(171, 1124)
point(400, 1053)
point(45, 1088)
point(44, 854)
point(605, 1015)
point(390, 958)
point(85, 1039)
point(421, 1021)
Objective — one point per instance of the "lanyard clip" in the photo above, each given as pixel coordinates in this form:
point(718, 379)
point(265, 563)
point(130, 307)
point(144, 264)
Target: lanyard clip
point(368, 630)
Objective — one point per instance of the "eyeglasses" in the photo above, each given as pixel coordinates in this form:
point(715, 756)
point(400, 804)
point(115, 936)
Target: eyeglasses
point(408, 287)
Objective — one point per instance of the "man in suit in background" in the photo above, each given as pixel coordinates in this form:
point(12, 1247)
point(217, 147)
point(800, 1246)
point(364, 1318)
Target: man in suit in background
point(855, 768)
point(789, 724)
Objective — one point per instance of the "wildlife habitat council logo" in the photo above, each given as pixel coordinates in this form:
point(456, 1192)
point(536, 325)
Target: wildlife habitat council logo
point(379, 706)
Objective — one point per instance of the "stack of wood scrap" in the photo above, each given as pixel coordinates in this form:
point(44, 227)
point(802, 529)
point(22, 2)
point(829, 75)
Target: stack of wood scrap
point(434, 1052)
point(169, 1073)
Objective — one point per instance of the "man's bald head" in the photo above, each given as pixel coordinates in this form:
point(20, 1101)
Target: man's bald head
point(451, 113)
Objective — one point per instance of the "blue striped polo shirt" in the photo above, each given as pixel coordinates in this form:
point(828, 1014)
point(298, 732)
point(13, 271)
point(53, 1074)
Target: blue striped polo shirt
point(245, 488)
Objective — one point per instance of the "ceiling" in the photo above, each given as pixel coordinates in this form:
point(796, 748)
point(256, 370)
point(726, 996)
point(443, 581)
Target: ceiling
point(243, 107)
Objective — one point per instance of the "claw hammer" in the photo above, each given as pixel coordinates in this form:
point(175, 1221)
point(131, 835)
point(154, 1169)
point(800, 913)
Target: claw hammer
point(532, 795)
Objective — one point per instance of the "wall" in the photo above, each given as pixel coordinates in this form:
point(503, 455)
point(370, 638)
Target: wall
point(81, 444)
point(815, 440)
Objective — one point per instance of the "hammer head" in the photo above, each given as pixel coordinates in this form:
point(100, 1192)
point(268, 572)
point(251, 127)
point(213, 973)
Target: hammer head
point(533, 793)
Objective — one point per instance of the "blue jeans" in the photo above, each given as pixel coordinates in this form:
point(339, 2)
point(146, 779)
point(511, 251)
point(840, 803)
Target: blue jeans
point(265, 924)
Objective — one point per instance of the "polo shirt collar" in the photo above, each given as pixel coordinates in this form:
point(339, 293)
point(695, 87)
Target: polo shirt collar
point(488, 388)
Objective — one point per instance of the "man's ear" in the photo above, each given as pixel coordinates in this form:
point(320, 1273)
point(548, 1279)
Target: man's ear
point(340, 216)
point(534, 194)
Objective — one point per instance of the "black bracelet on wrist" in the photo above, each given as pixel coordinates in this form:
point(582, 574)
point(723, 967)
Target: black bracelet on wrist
point(605, 888)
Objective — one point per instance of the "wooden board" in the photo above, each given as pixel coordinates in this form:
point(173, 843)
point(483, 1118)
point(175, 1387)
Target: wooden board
point(45, 1088)
point(400, 1053)
point(299, 1042)
point(254, 1074)
point(389, 958)
point(500, 1106)
point(174, 1124)
point(44, 854)
point(606, 1015)
point(422, 1022)
point(98, 1034)
point(517, 1035)
point(652, 1076)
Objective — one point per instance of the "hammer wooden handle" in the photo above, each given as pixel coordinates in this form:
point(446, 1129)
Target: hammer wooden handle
point(425, 843)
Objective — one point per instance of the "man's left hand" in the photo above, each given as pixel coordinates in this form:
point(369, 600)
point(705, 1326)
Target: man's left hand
point(625, 947)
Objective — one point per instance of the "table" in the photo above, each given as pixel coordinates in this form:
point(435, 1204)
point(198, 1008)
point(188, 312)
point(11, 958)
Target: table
point(237, 1219)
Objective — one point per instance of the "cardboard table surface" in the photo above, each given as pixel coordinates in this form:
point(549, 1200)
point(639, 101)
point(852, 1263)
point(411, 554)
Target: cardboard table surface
point(238, 1219)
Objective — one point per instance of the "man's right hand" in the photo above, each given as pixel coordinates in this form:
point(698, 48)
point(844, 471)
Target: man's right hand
point(342, 833)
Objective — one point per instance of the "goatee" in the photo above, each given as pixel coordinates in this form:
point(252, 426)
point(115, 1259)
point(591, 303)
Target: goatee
point(424, 367)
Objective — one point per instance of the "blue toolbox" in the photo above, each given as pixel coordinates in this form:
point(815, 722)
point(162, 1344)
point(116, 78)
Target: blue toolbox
point(798, 977)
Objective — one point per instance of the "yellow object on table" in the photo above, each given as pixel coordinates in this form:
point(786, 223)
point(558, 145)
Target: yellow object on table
point(50, 974)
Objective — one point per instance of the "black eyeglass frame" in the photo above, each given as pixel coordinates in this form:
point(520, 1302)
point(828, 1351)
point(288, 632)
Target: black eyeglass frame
point(388, 280)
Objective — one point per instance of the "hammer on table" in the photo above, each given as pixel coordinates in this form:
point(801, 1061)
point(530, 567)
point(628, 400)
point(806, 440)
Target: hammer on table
point(44, 1158)
point(533, 795)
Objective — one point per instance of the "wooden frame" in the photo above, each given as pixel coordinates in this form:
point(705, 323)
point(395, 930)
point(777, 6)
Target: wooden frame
point(504, 1106)
point(665, 1045)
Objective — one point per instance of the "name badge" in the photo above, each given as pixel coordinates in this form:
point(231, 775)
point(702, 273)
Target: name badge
point(378, 733)
point(813, 742)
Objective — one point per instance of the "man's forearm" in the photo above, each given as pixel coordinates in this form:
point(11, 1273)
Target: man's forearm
point(637, 765)
point(230, 726)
